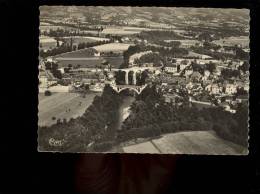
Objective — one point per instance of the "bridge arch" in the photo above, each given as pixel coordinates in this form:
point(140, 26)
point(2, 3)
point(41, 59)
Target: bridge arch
point(120, 88)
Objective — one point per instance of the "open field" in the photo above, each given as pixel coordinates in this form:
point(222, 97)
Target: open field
point(58, 105)
point(92, 32)
point(47, 42)
point(146, 147)
point(194, 142)
point(232, 41)
point(114, 47)
point(89, 62)
point(197, 55)
point(121, 31)
point(47, 28)
point(85, 39)
point(46, 39)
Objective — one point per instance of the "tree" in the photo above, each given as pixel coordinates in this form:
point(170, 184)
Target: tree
point(205, 36)
point(48, 65)
point(58, 43)
point(176, 44)
point(240, 54)
point(244, 67)
point(241, 91)
point(47, 93)
point(229, 73)
point(57, 74)
point(211, 67)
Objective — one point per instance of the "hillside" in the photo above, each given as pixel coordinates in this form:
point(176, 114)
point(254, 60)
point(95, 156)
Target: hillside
point(194, 142)
point(155, 14)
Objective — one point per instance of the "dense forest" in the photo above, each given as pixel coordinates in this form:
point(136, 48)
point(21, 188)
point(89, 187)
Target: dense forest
point(151, 116)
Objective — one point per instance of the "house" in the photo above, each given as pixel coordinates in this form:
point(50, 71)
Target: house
point(157, 72)
point(246, 87)
point(225, 105)
point(242, 98)
point(206, 73)
point(97, 54)
point(229, 99)
point(125, 39)
point(205, 76)
point(213, 88)
point(172, 67)
point(61, 70)
point(98, 87)
point(189, 86)
point(170, 98)
point(188, 72)
point(43, 81)
point(230, 89)
point(50, 59)
point(195, 76)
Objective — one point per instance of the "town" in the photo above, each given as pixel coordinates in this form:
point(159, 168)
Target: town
point(101, 71)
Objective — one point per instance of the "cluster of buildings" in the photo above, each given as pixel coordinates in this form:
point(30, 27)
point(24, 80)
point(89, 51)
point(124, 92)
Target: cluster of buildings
point(73, 80)
point(178, 77)
point(186, 78)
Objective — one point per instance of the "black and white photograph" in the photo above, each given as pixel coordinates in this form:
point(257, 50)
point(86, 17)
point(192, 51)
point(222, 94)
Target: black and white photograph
point(157, 80)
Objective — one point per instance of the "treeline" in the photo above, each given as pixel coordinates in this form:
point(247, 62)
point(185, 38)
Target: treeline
point(150, 117)
point(175, 44)
point(154, 58)
point(55, 51)
point(239, 53)
point(66, 47)
point(156, 36)
point(229, 73)
point(218, 33)
point(163, 52)
point(60, 32)
point(93, 131)
point(53, 67)
point(83, 45)
point(211, 67)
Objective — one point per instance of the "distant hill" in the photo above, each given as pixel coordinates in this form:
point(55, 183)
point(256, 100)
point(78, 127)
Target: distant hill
point(155, 14)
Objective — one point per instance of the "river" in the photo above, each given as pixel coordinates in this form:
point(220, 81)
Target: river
point(124, 110)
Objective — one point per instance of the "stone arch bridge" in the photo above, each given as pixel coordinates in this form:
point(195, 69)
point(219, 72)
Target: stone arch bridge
point(134, 87)
point(137, 89)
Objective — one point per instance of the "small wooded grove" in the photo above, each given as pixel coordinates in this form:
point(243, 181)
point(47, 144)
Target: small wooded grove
point(163, 52)
point(151, 117)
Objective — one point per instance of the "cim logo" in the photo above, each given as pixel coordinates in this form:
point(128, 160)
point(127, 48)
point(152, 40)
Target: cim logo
point(56, 143)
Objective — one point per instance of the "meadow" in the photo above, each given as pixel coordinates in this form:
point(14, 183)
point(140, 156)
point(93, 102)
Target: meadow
point(232, 41)
point(114, 47)
point(62, 106)
point(90, 62)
